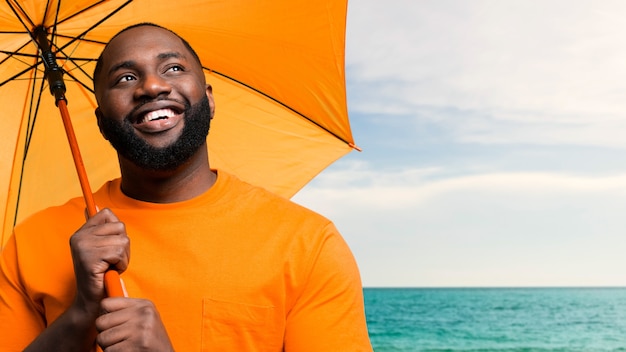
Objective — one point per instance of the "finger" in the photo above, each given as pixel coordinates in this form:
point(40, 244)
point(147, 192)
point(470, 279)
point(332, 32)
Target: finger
point(116, 255)
point(106, 243)
point(108, 338)
point(103, 216)
point(102, 235)
point(112, 312)
point(117, 311)
point(116, 304)
point(131, 322)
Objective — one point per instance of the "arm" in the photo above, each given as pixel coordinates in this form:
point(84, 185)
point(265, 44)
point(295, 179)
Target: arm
point(329, 314)
point(20, 319)
point(74, 322)
point(100, 243)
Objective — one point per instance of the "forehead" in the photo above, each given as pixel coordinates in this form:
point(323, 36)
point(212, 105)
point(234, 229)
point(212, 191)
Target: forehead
point(143, 41)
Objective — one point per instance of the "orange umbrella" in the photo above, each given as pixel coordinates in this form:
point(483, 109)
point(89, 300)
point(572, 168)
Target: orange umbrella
point(276, 67)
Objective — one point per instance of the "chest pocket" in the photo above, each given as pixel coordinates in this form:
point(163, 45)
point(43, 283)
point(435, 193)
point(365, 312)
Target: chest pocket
point(230, 326)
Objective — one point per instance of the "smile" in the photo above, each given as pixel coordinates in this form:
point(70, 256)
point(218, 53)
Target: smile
point(158, 121)
point(157, 115)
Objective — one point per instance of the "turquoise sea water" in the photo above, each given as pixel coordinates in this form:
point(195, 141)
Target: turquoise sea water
point(496, 319)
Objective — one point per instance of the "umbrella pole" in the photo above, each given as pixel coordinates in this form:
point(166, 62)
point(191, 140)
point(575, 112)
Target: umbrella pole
point(112, 281)
point(78, 160)
point(54, 73)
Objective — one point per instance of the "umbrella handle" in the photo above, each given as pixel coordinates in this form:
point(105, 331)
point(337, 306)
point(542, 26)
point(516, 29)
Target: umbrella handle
point(112, 282)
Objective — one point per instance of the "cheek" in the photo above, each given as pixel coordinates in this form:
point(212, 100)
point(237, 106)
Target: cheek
point(115, 106)
point(194, 89)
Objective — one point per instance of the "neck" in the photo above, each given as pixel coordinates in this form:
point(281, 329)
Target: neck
point(187, 181)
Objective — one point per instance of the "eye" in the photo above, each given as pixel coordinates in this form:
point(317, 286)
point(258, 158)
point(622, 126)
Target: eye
point(175, 68)
point(125, 78)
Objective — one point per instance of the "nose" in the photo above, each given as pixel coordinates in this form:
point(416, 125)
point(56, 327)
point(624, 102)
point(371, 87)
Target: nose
point(152, 86)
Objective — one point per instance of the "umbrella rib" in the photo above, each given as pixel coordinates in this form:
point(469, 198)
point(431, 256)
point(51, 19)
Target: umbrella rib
point(56, 18)
point(96, 24)
point(88, 59)
point(18, 74)
point(11, 53)
point(19, 17)
point(80, 12)
point(18, 58)
point(82, 40)
point(350, 144)
point(33, 116)
point(73, 39)
point(14, 53)
point(46, 10)
point(29, 133)
point(68, 57)
point(79, 81)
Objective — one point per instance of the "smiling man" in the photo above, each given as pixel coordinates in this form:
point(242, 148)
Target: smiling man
point(217, 264)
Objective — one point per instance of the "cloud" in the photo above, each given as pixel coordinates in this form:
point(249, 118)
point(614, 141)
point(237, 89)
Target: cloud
point(494, 140)
point(438, 227)
point(358, 186)
point(523, 72)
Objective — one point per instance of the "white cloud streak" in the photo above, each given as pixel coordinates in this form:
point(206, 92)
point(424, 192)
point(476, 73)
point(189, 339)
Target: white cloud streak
point(359, 187)
point(414, 228)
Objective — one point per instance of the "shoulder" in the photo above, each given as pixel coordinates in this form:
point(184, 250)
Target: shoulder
point(300, 228)
point(259, 199)
point(50, 227)
point(59, 220)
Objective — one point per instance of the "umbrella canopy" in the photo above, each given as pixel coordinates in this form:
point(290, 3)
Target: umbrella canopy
point(276, 67)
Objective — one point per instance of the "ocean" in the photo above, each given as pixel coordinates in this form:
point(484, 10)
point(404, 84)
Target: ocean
point(496, 319)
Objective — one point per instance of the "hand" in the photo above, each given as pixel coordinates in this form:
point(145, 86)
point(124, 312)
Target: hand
point(101, 243)
point(131, 324)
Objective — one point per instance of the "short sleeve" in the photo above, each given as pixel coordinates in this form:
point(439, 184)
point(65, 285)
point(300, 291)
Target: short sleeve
point(329, 313)
point(20, 321)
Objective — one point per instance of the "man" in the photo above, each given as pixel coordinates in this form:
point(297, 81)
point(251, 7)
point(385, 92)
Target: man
point(217, 264)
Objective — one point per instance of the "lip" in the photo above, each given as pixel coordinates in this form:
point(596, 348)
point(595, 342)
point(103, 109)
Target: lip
point(139, 122)
point(137, 116)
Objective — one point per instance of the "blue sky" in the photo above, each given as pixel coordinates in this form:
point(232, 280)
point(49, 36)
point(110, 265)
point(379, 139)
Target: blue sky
point(494, 137)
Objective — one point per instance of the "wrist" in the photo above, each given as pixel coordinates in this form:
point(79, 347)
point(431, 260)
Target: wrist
point(74, 330)
point(83, 312)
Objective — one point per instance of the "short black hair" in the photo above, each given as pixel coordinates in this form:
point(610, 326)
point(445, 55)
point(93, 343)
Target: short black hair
point(98, 68)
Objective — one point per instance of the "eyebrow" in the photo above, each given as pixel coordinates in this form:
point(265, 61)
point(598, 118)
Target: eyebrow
point(171, 54)
point(123, 64)
point(132, 63)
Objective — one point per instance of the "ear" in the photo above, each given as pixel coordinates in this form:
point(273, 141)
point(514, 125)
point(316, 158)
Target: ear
point(209, 94)
point(99, 118)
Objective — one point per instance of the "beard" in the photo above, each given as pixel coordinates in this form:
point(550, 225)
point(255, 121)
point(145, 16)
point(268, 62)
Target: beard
point(122, 137)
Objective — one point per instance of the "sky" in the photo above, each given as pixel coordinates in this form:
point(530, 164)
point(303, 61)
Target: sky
point(494, 143)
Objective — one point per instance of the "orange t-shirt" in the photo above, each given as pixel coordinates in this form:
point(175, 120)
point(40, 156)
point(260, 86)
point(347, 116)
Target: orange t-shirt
point(234, 269)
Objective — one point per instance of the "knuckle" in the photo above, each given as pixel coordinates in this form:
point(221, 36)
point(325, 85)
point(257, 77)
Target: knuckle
point(100, 323)
point(116, 227)
point(147, 310)
point(119, 252)
point(76, 240)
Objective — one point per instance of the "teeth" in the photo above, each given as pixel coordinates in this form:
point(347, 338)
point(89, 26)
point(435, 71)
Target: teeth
point(157, 114)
